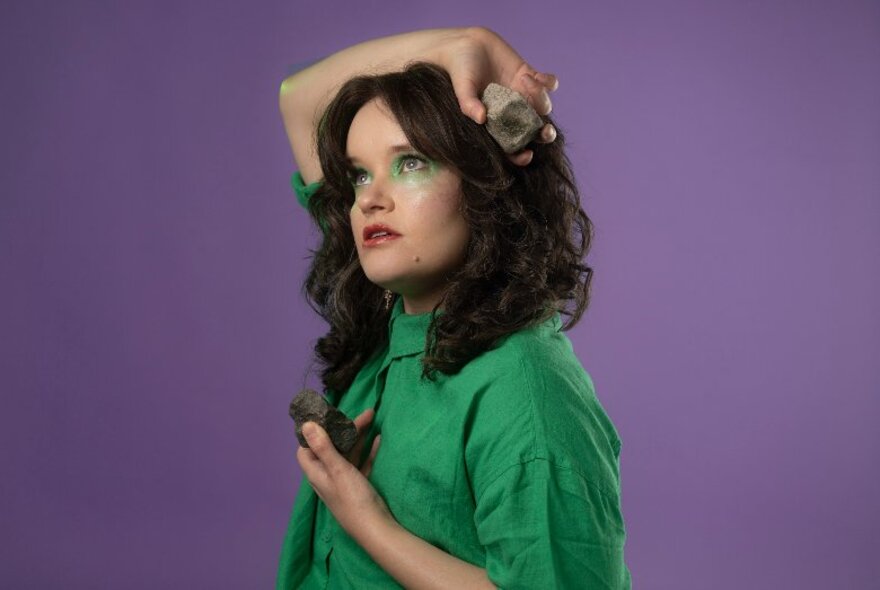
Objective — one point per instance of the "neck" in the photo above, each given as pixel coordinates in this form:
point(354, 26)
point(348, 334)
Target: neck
point(419, 304)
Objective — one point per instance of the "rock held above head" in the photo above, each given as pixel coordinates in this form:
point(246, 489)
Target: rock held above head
point(509, 118)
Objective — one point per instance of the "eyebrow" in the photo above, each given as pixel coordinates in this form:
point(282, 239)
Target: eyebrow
point(394, 149)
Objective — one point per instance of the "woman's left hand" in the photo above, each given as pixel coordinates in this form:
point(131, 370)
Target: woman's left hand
point(342, 486)
point(480, 56)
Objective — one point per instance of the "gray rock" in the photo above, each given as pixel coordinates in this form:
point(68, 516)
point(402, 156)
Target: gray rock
point(509, 118)
point(308, 406)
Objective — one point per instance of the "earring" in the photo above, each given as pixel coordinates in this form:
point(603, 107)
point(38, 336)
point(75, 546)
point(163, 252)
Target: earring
point(388, 297)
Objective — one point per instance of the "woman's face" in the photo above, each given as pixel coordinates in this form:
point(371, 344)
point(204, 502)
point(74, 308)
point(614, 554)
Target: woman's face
point(409, 232)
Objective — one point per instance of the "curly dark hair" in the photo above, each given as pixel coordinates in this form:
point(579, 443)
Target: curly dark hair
point(529, 234)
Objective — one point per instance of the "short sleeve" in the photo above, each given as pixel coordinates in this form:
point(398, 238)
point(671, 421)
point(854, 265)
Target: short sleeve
point(303, 191)
point(546, 526)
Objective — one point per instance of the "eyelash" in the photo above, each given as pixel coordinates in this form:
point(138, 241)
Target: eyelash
point(403, 159)
point(411, 157)
point(354, 175)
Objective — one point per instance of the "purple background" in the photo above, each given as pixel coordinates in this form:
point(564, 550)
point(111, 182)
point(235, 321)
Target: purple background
point(151, 253)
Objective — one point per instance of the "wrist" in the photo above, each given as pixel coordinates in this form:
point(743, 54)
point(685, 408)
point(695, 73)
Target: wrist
point(379, 528)
point(442, 44)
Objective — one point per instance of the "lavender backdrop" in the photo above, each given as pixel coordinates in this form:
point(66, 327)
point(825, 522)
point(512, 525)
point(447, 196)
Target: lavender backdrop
point(151, 252)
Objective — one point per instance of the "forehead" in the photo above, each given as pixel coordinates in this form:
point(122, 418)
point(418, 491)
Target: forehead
point(374, 132)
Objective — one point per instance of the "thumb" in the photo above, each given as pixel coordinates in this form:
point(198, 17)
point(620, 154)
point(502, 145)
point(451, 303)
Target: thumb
point(320, 443)
point(468, 93)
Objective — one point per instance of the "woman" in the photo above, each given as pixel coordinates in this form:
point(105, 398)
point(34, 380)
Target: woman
point(484, 458)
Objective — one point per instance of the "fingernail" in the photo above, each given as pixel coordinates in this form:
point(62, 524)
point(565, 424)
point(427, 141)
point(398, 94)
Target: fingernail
point(308, 430)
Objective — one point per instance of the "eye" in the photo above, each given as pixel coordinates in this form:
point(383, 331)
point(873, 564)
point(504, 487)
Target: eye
point(359, 178)
point(412, 163)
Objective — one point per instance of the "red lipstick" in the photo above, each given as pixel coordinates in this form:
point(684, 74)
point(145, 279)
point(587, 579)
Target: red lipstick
point(378, 233)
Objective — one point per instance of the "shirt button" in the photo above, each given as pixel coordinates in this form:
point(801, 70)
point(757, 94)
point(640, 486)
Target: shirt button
point(326, 536)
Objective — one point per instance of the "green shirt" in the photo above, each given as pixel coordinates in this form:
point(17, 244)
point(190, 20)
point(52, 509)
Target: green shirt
point(303, 191)
point(510, 464)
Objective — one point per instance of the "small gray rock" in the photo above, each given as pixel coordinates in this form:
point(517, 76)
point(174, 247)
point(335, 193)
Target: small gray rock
point(308, 406)
point(509, 118)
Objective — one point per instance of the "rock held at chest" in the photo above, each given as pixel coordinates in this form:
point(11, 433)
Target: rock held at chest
point(309, 406)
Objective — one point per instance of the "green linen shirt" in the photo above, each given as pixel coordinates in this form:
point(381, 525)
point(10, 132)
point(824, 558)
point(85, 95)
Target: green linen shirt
point(511, 464)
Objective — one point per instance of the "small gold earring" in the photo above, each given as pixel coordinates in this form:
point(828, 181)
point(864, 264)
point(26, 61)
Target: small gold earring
point(388, 297)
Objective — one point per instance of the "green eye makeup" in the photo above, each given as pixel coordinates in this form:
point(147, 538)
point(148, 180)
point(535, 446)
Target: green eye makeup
point(413, 168)
point(407, 168)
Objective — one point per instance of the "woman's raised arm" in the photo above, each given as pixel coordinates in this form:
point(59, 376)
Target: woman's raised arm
point(473, 56)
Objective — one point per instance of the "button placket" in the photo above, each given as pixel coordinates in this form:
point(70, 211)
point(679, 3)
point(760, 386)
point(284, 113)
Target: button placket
point(379, 387)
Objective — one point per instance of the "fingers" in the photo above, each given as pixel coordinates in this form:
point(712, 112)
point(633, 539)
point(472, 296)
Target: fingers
point(547, 135)
point(549, 81)
point(364, 419)
point(312, 468)
point(362, 423)
point(368, 464)
point(522, 158)
point(468, 98)
point(536, 94)
point(533, 85)
point(475, 109)
point(307, 459)
point(321, 445)
point(536, 85)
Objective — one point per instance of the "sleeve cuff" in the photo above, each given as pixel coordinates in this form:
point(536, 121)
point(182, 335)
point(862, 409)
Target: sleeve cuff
point(303, 191)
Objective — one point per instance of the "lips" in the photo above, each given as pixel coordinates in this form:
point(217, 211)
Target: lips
point(378, 233)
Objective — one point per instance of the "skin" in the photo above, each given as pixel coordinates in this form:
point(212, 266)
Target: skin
point(420, 199)
point(359, 509)
point(473, 56)
point(417, 198)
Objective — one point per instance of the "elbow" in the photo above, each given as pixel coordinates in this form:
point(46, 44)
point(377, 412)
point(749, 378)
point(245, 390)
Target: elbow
point(286, 94)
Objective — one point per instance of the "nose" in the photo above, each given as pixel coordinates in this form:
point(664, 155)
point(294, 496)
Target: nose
point(374, 197)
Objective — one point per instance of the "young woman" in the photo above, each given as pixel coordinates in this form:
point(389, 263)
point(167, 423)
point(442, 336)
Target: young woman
point(484, 458)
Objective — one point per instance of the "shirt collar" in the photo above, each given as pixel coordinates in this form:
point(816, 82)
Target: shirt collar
point(407, 332)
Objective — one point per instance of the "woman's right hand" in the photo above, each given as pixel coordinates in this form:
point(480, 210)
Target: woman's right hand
point(341, 481)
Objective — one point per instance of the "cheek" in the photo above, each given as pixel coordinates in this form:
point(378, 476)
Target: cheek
point(442, 228)
point(462, 237)
point(437, 205)
point(431, 215)
point(357, 229)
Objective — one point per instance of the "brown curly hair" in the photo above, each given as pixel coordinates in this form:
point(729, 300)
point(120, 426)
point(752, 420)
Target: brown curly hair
point(524, 260)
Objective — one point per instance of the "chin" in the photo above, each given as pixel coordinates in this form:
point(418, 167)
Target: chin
point(384, 280)
point(385, 276)
point(400, 284)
